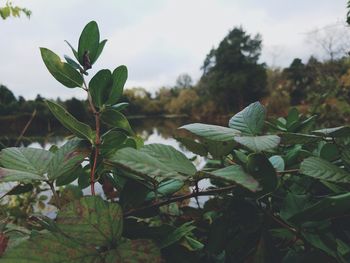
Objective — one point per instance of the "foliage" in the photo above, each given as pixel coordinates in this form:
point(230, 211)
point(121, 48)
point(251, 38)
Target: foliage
point(279, 193)
point(233, 68)
point(10, 10)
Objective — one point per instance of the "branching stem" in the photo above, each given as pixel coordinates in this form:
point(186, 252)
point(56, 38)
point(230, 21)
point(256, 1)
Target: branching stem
point(180, 198)
point(96, 149)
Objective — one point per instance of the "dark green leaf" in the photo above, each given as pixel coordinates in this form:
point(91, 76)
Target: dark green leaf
point(166, 188)
point(99, 50)
point(80, 129)
point(211, 132)
point(329, 152)
point(91, 220)
point(116, 119)
point(61, 71)
point(29, 160)
point(89, 41)
point(99, 87)
point(342, 131)
point(235, 174)
point(263, 171)
point(193, 146)
point(120, 75)
point(135, 251)
point(323, 170)
point(67, 158)
point(171, 157)
point(259, 143)
point(250, 120)
point(142, 165)
point(328, 207)
point(298, 138)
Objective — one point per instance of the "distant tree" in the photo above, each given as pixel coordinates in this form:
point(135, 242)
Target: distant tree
point(184, 103)
point(6, 96)
point(297, 81)
point(184, 81)
point(77, 108)
point(232, 75)
point(332, 40)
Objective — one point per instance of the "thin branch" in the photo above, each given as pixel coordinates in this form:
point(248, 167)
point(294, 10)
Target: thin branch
point(55, 195)
point(180, 198)
point(25, 128)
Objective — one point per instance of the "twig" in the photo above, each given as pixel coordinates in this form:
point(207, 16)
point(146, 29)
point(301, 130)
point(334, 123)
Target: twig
point(25, 128)
point(289, 171)
point(180, 198)
point(55, 195)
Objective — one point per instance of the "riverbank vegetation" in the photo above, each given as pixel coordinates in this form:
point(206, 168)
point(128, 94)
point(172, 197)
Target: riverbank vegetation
point(279, 190)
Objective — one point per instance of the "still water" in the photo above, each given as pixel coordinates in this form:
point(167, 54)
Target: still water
point(151, 130)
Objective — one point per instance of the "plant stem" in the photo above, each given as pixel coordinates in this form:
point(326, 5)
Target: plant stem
point(55, 195)
point(180, 198)
point(25, 128)
point(97, 139)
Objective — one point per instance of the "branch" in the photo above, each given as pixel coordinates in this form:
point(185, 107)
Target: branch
point(179, 199)
point(97, 140)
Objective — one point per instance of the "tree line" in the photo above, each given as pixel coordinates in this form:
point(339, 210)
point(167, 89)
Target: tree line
point(232, 78)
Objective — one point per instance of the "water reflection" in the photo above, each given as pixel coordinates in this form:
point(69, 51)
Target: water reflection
point(151, 130)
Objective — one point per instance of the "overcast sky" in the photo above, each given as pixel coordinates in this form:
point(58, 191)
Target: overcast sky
point(156, 39)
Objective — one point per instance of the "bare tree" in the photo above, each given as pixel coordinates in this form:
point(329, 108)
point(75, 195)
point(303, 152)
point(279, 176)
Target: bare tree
point(333, 40)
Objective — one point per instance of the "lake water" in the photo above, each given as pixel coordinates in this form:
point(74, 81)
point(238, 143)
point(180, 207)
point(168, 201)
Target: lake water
point(151, 130)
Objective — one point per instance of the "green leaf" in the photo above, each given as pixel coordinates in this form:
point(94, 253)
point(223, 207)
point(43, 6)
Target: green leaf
point(11, 175)
point(99, 87)
point(298, 138)
point(219, 149)
point(99, 50)
point(120, 106)
point(236, 174)
point(142, 164)
point(79, 129)
point(177, 234)
point(250, 120)
point(193, 146)
point(328, 207)
point(135, 251)
point(67, 158)
point(277, 162)
point(75, 53)
point(329, 152)
point(263, 171)
point(342, 131)
point(50, 248)
point(323, 170)
point(99, 239)
point(171, 157)
point(116, 119)
point(166, 188)
point(112, 141)
point(211, 132)
point(61, 71)
point(71, 62)
point(20, 189)
point(293, 117)
point(120, 75)
point(91, 221)
point(259, 143)
point(89, 41)
point(29, 160)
